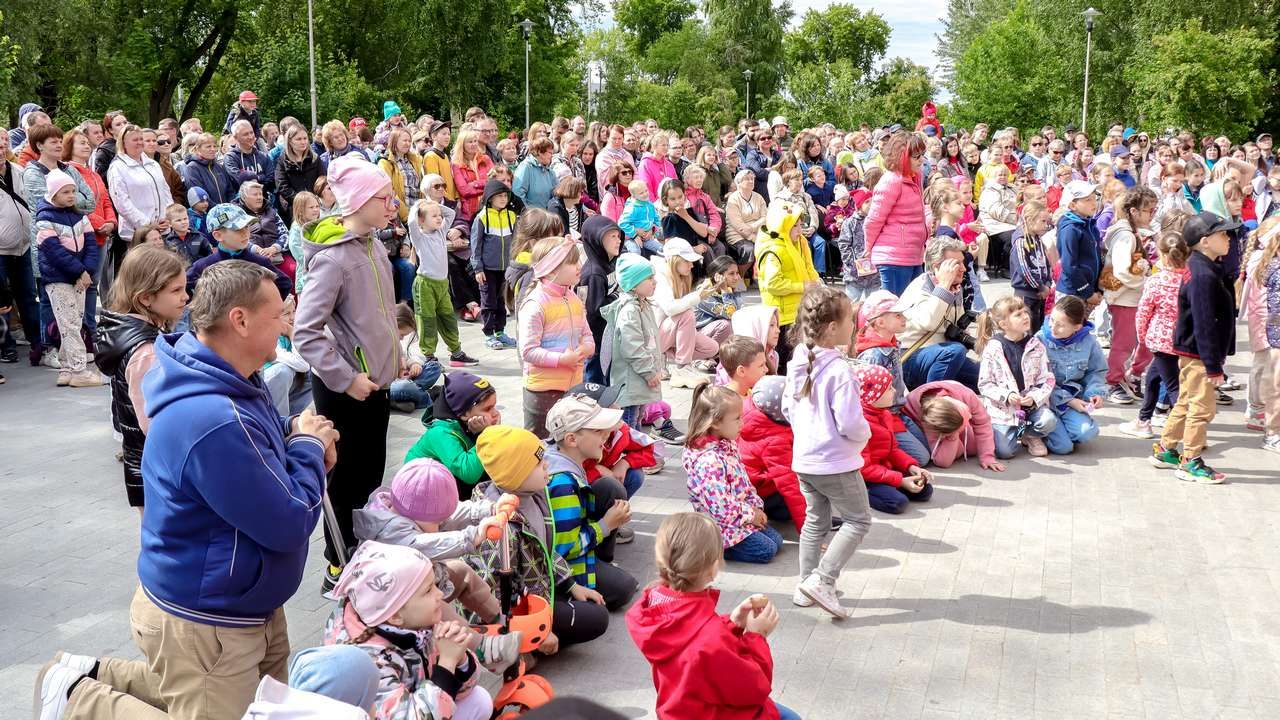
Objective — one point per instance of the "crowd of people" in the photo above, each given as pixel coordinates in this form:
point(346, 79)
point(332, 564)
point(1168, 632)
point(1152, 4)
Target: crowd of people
point(271, 294)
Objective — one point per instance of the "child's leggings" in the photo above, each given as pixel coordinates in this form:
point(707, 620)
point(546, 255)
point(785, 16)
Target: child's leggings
point(1124, 343)
point(845, 494)
point(1162, 374)
point(68, 309)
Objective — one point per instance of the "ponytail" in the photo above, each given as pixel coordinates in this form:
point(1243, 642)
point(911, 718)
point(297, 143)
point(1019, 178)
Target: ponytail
point(986, 329)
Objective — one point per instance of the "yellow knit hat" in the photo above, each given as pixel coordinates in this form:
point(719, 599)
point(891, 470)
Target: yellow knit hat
point(508, 454)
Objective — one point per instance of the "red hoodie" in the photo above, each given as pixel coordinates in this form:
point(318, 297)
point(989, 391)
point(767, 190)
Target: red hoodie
point(765, 447)
point(704, 666)
point(883, 461)
point(624, 443)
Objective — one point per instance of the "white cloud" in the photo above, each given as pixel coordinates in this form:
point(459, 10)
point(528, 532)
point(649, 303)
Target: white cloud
point(913, 25)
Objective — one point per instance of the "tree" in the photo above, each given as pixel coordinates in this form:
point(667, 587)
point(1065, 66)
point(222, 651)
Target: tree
point(1207, 82)
point(838, 33)
point(901, 90)
point(647, 20)
point(747, 35)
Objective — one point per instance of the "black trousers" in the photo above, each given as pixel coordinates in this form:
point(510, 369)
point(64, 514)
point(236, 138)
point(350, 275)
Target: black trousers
point(784, 348)
point(606, 492)
point(493, 303)
point(998, 251)
point(362, 454)
point(1162, 379)
point(463, 289)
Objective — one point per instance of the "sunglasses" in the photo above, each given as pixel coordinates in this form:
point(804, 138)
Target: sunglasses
point(1037, 144)
point(626, 172)
point(162, 142)
point(437, 186)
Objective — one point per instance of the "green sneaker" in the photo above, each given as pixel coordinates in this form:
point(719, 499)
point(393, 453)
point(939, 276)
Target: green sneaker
point(1164, 459)
point(1194, 470)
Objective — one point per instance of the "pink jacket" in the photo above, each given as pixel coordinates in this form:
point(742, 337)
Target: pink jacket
point(975, 436)
point(699, 200)
point(652, 171)
point(1253, 304)
point(552, 322)
point(1158, 310)
point(895, 227)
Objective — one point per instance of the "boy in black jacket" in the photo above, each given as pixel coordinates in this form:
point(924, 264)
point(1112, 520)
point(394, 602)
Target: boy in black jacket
point(1204, 336)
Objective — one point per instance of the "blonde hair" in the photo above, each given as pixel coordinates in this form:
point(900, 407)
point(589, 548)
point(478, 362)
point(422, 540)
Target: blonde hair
point(174, 210)
point(140, 235)
point(989, 320)
point(300, 201)
point(681, 285)
point(460, 147)
point(1270, 226)
point(939, 414)
point(146, 270)
point(688, 547)
point(533, 224)
point(635, 187)
point(544, 246)
point(330, 132)
point(710, 405)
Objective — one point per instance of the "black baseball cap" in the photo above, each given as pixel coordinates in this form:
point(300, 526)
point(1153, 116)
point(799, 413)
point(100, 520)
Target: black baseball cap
point(1204, 225)
point(604, 395)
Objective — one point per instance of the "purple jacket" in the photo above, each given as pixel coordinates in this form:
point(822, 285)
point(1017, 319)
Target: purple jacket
point(829, 428)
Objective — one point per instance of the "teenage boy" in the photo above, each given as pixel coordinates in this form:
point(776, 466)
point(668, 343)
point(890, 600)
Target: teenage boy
point(1078, 243)
point(464, 406)
point(1203, 337)
point(230, 227)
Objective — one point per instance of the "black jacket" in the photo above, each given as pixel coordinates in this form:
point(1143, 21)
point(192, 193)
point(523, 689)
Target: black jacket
point(1206, 327)
point(293, 178)
point(596, 272)
point(118, 337)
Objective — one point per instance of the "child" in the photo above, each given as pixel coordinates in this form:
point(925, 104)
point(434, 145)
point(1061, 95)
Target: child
point(704, 665)
point(390, 607)
point(880, 319)
point(413, 390)
point(1079, 372)
point(287, 376)
point(628, 454)
point(761, 323)
point(1171, 198)
point(718, 483)
point(1015, 380)
point(1261, 306)
point(1078, 245)
point(181, 238)
point(230, 227)
point(306, 210)
point(639, 221)
point(1204, 334)
point(742, 364)
point(555, 340)
point(821, 402)
point(947, 208)
point(632, 354)
point(462, 407)
point(492, 231)
point(892, 476)
point(955, 424)
point(1195, 172)
point(1155, 321)
point(198, 209)
point(513, 460)
point(601, 243)
point(713, 315)
point(841, 208)
point(147, 298)
point(533, 225)
point(586, 516)
point(433, 309)
point(146, 235)
point(764, 444)
point(68, 258)
point(860, 276)
point(1127, 260)
point(1029, 269)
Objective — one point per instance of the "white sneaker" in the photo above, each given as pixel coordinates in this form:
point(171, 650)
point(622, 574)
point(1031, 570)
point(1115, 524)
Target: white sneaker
point(685, 377)
point(1158, 420)
point(982, 275)
point(800, 599)
point(83, 663)
point(1137, 429)
point(52, 684)
point(1272, 444)
point(823, 595)
point(50, 359)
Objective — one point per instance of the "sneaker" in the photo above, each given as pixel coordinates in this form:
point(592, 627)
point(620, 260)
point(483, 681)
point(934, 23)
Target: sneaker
point(2, 380)
point(1104, 341)
point(1163, 408)
point(461, 359)
point(1224, 399)
point(983, 276)
point(799, 599)
point(1138, 429)
point(655, 469)
point(50, 359)
point(1230, 385)
point(52, 684)
point(9, 356)
point(1194, 470)
point(1035, 446)
point(823, 595)
point(498, 652)
point(330, 581)
point(404, 406)
point(1272, 444)
point(668, 433)
point(704, 366)
point(83, 663)
point(1133, 386)
point(1163, 458)
point(1119, 395)
point(64, 378)
point(506, 340)
point(1256, 422)
point(624, 535)
point(86, 378)
point(1158, 420)
point(684, 377)
point(494, 343)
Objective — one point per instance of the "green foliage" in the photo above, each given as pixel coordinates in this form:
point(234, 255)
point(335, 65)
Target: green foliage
point(645, 21)
point(748, 35)
point(900, 91)
point(1208, 82)
point(839, 33)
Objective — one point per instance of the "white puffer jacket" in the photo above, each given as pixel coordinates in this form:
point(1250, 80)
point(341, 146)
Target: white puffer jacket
point(139, 192)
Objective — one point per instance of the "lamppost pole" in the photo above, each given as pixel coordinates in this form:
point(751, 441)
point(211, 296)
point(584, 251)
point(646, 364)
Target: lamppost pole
point(311, 56)
point(747, 74)
point(1090, 15)
point(527, 26)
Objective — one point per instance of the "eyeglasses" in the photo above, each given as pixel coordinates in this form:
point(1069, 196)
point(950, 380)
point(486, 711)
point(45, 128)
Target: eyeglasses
point(390, 202)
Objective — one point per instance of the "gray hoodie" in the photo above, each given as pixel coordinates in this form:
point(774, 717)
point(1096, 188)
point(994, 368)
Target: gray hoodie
point(346, 322)
point(455, 538)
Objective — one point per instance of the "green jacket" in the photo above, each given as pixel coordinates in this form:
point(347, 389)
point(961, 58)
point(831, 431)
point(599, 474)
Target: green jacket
point(447, 441)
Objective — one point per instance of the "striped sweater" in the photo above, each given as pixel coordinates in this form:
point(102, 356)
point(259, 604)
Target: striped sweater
point(552, 323)
point(575, 534)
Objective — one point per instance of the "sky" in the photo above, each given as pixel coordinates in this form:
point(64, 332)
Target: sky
point(913, 22)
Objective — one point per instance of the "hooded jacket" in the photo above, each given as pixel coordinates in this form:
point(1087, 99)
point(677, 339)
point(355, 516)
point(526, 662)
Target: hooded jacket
point(269, 230)
point(632, 354)
point(68, 248)
point(872, 349)
point(346, 319)
point(1206, 327)
point(101, 158)
point(975, 435)
point(1078, 364)
point(138, 190)
point(754, 322)
point(720, 488)
point(1123, 244)
point(252, 165)
point(572, 503)
point(996, 381)
point(534, 183)
point(212, 177)
point(118, 337)
point(597, 273)
point(540, 569)
point(1078, 253)
point(456, 538)
point(929, 116)
point(447, 441)
point(895, 228)
point(234, 497)
point(492, 232)
point(704, 666)
point(1214, 200)
point(1158, 309)
point(783, 266)
point(829, 428)
point(765, 447)
point(219, 254)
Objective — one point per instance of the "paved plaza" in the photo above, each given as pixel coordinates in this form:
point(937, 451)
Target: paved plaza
point(1091, 586)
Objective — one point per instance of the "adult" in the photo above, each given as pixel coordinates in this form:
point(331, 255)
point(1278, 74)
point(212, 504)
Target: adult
point(781, 132)
point(436, 161)
point(92, 130)
point(296, 170)
point(15, 257)
point(745, 211)
point(404, 167)
point(33, 119)
point(18, 135)
point(225, 547)
point(865, 155)
point(137, 185)
point(159, 147)
point(534, 181)
point(613, 152)
point(998, 213)
point(895, 227)
point(112, 123)
point(655, 166)
point(75, 152)
point(245, 161)
point(719, 182)
point(674, 301)
point(703, 207)
point(932, 348)
point(488, 129)
point(336, 144)
point(203, 170)
point(471, 168)
point(244, 108)
point(760, 159)
point(566, 162)
point(615, 190)
point(588, 156)
point(809, 155)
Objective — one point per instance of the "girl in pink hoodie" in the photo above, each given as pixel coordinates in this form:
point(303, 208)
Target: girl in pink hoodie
point(955, 424)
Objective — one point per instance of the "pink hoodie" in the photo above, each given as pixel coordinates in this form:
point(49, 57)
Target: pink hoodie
point(895, 226)
point(974, 436)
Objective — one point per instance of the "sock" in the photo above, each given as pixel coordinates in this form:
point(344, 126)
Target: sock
point(72, 687)
point(93, 671)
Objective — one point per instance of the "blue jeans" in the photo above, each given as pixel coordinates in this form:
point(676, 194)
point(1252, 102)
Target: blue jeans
point(651, 246)
point(758, 547)
point(892, 500)
point(786, 713)
point(942, 361)
point(896, 278)
point(632, 481)
point(403, 271)
point(631, 416)
point(290, 390)
point(1073, 427)
point(593, 373)
point(17, 270)
point(818, 245)
point(416, 390)
point(913, 442)
point(1040, 422)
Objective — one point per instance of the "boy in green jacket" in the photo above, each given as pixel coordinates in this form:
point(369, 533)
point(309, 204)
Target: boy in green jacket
point(464, 407)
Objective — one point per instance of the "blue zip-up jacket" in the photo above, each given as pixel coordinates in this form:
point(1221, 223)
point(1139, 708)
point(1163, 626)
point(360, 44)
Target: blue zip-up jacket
point(492, 232)
point(212, 177)
point(1080, 259)
point(534, 183)
point(1078, 366)
point(283, 284)
point(232, 498)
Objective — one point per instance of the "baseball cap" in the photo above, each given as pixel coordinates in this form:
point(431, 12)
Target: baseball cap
point(247, 95)
point(880, 303)
point(228, 216)
point(1077, 189)
point(605, 395)
point(1119, 151)
point(680, 246)
point(1203, 225)
point(357, 122)
point(1263, 135)
point(572, 413)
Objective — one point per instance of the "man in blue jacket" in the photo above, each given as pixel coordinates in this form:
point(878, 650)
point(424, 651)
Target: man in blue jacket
point(1078, 246)
point(234, 492)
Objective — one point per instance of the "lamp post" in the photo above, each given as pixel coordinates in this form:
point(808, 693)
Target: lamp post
point(311, 57)
point(747, 74)
point(1090, 15)
point(527, 26)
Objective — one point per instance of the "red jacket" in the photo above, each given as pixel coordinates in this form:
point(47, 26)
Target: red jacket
point(624, 443)
point(103, 211)
point(765, 447)
point(884, 462)
point(704, 666)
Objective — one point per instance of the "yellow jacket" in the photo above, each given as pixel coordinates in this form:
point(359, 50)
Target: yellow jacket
point(392, 169)
point(783, 266)
point(435, 161)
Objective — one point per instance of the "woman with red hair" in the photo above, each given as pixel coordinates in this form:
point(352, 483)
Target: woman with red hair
point(895, 227)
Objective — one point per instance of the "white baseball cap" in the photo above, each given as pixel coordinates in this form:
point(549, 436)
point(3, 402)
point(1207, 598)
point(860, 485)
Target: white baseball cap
point(1077, 189)
point(679, 246)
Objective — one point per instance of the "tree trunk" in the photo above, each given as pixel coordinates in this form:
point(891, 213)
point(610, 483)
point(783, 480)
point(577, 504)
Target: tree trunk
point(226, 29)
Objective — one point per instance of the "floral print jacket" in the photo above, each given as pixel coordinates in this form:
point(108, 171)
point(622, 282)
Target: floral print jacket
point(996, 382)
point(719, 487)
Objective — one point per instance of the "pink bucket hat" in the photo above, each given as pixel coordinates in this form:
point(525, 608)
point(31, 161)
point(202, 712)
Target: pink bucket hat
point(379, 579)
point(55, 181)
point(424, 490)
point(354, 180)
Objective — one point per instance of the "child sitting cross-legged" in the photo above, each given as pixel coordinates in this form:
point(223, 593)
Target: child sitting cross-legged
point(704, 665)
point(390, 607)
point(718, 482)
point(1014, 379)
point(628, 453)
point(893, 477)
point(1079, 371)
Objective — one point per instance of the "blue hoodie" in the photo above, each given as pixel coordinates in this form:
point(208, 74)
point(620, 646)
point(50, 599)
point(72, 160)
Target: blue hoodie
point(1078, 251)
point(1079, 367)
point(231, 501)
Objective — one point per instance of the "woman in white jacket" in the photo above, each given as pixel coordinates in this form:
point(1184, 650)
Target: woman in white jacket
point(1127, 261)
point(138, 188)
point(674, 300)
point(998, 213)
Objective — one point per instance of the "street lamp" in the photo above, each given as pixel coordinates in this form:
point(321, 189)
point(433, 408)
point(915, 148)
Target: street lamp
point(747, 74)
point(1090, 15)
point(311, 57)
point(527, 26)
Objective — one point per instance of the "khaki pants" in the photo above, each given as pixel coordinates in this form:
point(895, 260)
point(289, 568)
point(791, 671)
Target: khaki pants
point(1196, 407)
point(1269, 387)
point(192, 672)
point(471, 590)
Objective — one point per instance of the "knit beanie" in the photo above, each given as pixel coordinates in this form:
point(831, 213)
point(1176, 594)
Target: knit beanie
point(354, 180)
point(424, 491)
point(767, 397)
point(873, 380)
point(380, 578)
point(462, 391)
point(55, 181)
point(390, 109)
point(197, 195)
point(508, 454)
point(342, 672)
point(632, 270)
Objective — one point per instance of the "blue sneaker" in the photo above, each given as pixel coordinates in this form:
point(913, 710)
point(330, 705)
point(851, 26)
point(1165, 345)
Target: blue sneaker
point(494, 343)
point(506, 340)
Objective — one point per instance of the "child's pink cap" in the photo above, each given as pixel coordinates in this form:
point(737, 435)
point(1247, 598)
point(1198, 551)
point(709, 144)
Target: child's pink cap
point(354, 181)
point(380, 578)
point(423, 490)
point(55, 181)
